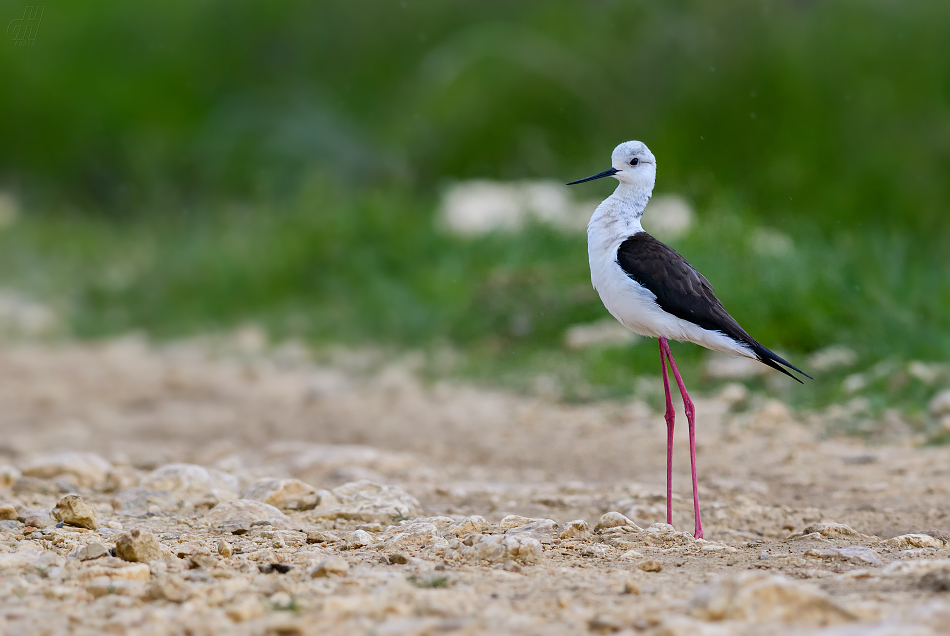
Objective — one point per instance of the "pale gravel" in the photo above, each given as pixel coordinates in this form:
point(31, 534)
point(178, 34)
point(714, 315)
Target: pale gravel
point(440, 508)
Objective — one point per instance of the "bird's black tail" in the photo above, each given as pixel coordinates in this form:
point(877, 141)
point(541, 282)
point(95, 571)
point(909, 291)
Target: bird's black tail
point(768, 358)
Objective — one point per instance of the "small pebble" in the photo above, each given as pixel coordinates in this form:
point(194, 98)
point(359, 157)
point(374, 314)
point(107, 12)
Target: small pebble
point(576, 529)
point(593, 551)
point(332, 565)
point(320, 536)
point(138, 546)
point(8, 475)
point(38, 518)
point(74, 511)
point(224, 548)
point(284, 494)
point(650, 565)
point(630, 586)
point(358, 539)
point(92, 551)
point(11, 525)
point(202, 561)
point(614, 519)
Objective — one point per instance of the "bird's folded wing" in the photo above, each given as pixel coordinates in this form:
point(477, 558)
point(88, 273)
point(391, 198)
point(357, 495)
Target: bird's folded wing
point(679, 289)
point(685, 293)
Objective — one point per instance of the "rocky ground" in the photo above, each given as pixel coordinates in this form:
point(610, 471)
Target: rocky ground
point(221, 488)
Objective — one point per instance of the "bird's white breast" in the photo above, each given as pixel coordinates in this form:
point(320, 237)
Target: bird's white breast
point(629, 302)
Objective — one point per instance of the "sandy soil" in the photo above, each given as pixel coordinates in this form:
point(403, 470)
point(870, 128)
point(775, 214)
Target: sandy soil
point(413, 508)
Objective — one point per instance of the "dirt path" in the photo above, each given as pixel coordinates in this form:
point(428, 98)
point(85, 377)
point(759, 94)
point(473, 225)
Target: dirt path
point(436, 509)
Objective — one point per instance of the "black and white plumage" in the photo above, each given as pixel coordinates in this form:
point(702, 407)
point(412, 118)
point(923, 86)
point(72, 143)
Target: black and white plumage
point(649, 287)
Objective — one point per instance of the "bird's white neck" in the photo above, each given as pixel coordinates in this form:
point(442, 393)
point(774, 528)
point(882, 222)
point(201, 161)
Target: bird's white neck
point(620, 213)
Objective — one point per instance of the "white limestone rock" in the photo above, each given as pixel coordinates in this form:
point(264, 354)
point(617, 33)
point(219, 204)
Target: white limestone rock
point(240, 514)
point(833, 530)
point(86, 470)
point(358, 539)
point(494, 549)
point(139, 546)
point(523, 548)
point(577, 529)
point(74, 511)
point(858, 555)
point(908, 541)
point(614, 519)
point(312, 462)
point(284, 494)
point(474, 523)
point(415, 535)
point(543, 530)
point(9, 475)
point(190, 481)
point(369, 501)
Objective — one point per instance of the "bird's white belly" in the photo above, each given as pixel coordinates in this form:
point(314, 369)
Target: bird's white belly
point(636, 308)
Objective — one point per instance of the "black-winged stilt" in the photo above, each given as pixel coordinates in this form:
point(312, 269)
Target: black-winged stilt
point(655, 292)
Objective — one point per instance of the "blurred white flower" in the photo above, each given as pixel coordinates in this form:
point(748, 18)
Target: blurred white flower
point(927, 372)
point(9, 210)
point(832, 357)
point(668, 217)
point(25, 317)
point(475, 208)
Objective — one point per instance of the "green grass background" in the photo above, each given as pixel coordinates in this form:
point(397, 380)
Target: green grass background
point(188, 167)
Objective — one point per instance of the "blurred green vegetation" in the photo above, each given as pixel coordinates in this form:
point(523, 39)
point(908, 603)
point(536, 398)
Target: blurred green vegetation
point(192, 166)
point(832, 112)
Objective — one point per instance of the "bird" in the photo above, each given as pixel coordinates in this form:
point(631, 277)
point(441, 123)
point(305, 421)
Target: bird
point(653, 291)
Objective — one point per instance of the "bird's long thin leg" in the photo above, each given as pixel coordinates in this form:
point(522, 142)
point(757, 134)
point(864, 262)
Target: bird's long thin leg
point(691, 419)
point(670, 420)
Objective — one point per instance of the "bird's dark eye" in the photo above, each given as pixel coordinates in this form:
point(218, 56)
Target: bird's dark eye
point(634, 161)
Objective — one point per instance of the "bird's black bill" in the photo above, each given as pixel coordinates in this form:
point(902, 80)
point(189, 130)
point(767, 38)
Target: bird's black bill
point(599, 175)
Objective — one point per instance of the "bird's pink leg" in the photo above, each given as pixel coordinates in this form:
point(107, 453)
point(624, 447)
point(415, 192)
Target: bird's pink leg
point(670, 420)
point(691, 419)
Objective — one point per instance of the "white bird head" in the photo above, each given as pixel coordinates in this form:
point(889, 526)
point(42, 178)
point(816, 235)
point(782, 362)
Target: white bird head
point(632, 164)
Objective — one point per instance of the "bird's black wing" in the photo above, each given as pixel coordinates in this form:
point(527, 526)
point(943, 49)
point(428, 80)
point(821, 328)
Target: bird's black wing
point(685, 293)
